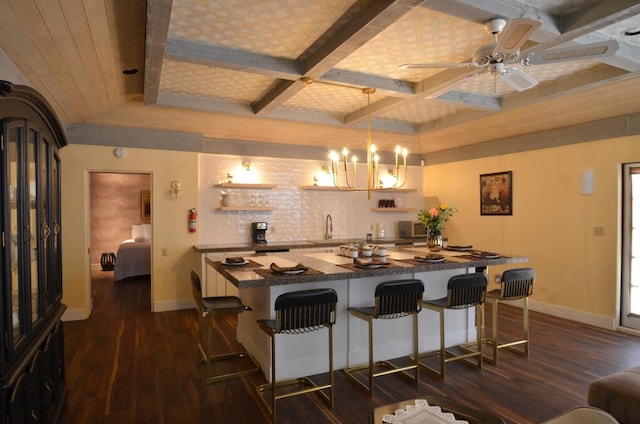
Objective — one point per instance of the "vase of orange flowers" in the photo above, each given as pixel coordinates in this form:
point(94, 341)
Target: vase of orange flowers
point(433, 220)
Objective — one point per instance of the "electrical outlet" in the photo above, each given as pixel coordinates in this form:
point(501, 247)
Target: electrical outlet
point(497, 278)
point(598, 231)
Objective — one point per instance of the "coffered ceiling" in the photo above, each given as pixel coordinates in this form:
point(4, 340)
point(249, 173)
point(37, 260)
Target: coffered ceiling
point(239, 70)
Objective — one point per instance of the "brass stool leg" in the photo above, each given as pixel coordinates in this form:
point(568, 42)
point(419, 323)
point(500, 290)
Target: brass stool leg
point(273, 378)
point(479, 324)
point(331, 365)
point(443, 353)
point(416, 348)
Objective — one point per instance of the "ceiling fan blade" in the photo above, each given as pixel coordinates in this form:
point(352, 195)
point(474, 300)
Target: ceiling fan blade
point(516, 34)
point(518, 79)
point(437, 65)
point(566, 54)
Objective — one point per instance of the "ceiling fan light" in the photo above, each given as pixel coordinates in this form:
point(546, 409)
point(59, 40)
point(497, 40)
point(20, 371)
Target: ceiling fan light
point(518, 79)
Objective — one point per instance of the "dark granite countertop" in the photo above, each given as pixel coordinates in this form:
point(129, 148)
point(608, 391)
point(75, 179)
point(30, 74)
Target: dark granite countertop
point(294, 244)
point(329, 266)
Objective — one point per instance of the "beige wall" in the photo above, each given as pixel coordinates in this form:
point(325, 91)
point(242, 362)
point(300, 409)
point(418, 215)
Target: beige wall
point(170, 284)
point(552, 223)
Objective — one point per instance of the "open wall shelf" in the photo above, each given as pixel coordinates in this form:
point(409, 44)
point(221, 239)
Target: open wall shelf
point(235, 185)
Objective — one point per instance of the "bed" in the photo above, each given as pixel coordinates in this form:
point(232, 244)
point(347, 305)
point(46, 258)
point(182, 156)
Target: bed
point(134, 255)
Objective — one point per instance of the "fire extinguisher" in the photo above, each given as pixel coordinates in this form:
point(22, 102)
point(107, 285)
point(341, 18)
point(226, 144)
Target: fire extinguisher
point(193, 220)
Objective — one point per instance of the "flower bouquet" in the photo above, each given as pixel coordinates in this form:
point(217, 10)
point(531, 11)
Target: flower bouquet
point(433, 219)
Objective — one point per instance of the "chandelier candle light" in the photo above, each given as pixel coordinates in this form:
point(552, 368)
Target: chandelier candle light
point(373, 184)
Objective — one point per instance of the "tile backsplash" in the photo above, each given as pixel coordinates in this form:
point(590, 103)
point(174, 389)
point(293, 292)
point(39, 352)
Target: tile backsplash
point(298, 214)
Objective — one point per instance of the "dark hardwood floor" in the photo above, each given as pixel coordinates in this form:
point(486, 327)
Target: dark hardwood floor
point(128, 365)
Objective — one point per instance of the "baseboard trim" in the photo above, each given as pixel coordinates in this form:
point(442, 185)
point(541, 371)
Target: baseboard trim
point(601, 321)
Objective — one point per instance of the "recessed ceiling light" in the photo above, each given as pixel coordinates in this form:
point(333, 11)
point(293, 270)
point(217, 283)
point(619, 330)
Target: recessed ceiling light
point(130, 71)
point(630, 32)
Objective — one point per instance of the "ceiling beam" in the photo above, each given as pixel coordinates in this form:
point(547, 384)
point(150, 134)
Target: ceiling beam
point(620, 126)
point(158, 16)
point(582, 81)
point(579, 26)
point(594, 17)
point(470, 100)
point(386, 86)
point(365, 25)
point(203, 54)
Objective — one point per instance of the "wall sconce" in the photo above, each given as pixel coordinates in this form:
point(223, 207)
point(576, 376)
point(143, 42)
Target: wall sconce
point(175, 188)
point(246, 165)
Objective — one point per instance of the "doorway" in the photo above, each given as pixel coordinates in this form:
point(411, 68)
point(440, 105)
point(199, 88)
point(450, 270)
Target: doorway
point(630, 290)
point(120, 220)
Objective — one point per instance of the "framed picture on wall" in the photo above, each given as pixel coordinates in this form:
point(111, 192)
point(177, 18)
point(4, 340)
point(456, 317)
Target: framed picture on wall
point(496, 194)
point(145, 205)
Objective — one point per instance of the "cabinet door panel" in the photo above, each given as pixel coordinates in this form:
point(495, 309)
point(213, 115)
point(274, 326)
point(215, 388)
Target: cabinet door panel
point(35, 233)
point(36, 399)
point(15, 229)
point(18, 410)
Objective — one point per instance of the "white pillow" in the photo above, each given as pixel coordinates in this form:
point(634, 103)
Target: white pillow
point(146, 230)
point(141, 240)
point(137, 231)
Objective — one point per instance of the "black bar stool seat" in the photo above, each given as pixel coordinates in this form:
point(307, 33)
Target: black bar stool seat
point(208, 308)
point(299, 312)
point(393, 299)
point(516, 284)
point(464, 291)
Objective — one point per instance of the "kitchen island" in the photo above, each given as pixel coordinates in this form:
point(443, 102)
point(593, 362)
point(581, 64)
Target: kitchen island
point(305, 354)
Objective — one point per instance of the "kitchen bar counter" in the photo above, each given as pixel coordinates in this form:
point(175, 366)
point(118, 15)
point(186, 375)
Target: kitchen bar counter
point(330, 266)
point(305, 354)
point(296, 244)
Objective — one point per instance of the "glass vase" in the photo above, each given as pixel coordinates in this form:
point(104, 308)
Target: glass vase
point(434, 240)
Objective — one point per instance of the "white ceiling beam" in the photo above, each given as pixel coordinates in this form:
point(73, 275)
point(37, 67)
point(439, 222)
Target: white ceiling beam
point(237, 60)
point(364, 25)
point(594, 17)
point(554, 30)
point(470, 100)
point(579, 82)
point(158, 16)
point(386, 86)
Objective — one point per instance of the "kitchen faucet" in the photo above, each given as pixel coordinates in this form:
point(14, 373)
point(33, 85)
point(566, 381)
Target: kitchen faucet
point(328, 227)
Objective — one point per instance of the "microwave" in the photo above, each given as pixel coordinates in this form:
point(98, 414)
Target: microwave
point(411, 229)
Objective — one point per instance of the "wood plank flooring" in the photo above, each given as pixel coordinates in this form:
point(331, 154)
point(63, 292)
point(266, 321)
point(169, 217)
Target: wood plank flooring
point(128, 365)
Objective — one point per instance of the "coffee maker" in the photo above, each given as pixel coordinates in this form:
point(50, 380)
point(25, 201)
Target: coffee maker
point(259, 232)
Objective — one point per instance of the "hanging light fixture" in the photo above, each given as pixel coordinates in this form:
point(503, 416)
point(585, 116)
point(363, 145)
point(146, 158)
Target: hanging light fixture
point(349, 181)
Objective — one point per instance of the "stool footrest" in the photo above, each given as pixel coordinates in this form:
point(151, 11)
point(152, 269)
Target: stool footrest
point(310, 387)
point(213, 378)
point(451, 357)
point(389, 367)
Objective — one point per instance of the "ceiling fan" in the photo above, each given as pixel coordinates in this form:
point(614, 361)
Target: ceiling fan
point(505, 50)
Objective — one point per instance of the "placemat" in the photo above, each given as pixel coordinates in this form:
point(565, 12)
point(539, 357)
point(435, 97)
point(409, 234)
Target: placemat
point(267, 273)
point(416, 262)
point(249, 264)
point(354, 267)
point(475, 258)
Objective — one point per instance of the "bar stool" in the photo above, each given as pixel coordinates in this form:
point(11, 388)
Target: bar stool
point(297, 313)
point(208, 308)
point(515, 284)
point(393, 299)
point(464, 291)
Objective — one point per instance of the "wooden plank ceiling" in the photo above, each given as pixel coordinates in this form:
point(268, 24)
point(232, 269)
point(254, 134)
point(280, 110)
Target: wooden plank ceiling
point(239, 69)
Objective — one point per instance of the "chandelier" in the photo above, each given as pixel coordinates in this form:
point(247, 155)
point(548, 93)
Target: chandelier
point(348, 180)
